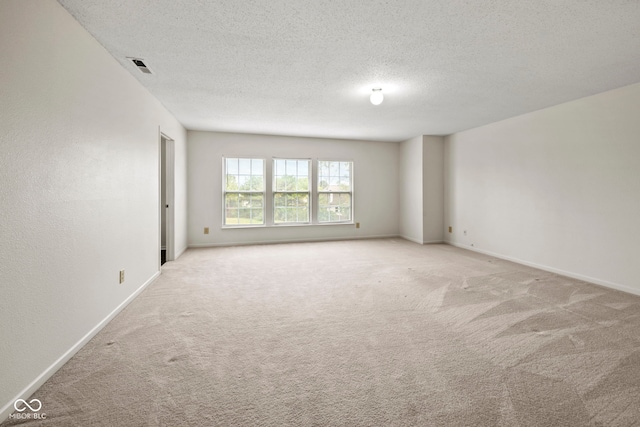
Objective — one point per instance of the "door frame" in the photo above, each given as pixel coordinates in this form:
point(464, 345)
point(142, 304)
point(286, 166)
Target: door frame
point(168, 186)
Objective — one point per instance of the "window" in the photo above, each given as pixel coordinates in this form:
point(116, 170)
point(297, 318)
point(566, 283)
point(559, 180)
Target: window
point(291, 188)
point(334, 191)
point(286, 192)
point(244, 191)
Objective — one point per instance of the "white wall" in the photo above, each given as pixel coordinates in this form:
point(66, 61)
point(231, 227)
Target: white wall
point(375, 186)
point(411, 189)
point(433, 189)
point(79, 173)
point(558, 188)
point(163, 193)
point(421, 189)
point(180, 179)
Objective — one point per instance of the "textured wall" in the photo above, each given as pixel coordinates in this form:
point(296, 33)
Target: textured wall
point(410, 189)
point(422, 189)
point(557, 188)
point(433, 188)
point(375, 186)
point(79, 189)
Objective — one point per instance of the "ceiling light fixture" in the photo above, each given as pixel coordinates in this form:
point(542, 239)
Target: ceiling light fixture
point(376, 97)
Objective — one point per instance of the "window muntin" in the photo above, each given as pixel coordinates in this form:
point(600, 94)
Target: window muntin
point(291, 191)
point(335, 187)
point(244, 191)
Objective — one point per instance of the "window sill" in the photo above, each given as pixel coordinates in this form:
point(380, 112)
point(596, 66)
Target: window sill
point(325, 224)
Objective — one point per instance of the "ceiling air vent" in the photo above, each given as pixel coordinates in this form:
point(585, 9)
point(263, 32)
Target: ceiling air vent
point(141, 65)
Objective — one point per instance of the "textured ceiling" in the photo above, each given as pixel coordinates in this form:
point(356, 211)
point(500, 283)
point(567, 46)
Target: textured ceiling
point(292, 67)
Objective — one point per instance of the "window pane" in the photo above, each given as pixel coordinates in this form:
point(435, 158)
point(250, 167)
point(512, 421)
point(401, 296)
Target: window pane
point(302, 214)
point(278, 167)
point(245, 166)
point(334, 176)
point(333, 207)
point(232, 182)
point(257, 167)
point(244, 191)
point(291, 190)
point(278, 183)
point(323, 168)
point(323, 184)
point(231, 216)
point(289, 183)
point(243, 182)
point(244, 216)
point(292, 167)
point(323, 215)
point(257, 216)
point(232, 166)
point(291, 207)
point(292, 200)
point(345, 168)
point(231, 200)
point(302, 184)
point(256, 183)
point(303, 167)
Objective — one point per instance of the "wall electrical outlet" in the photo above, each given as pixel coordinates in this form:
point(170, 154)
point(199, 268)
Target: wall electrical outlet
point(121, 276)
point(450, 229)
point(357, 225)
point(206, 230)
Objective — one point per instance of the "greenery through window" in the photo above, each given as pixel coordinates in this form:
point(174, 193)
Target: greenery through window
point(334, 191)
point(291, 191)
point(244, 191)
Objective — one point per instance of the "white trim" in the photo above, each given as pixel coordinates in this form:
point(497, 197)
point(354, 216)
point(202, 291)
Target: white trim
point(181, 251)
point(577, 276)
point(421, 242)
point(411, 239)
point(7, 409)
point(269, 242)
point(284, 224)
point(169, 189)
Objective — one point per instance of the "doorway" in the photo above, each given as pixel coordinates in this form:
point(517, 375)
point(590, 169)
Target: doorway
point(166, 199)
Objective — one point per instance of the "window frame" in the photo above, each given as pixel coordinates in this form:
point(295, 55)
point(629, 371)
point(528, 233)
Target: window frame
point(275, 191)
point(268, 192)
point(225, 192)
point(321, 192)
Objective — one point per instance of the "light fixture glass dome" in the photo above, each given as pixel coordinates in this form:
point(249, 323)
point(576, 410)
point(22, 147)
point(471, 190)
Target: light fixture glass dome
point(376, 97)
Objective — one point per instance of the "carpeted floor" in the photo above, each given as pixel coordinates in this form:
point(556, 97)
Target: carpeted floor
point(356, 333)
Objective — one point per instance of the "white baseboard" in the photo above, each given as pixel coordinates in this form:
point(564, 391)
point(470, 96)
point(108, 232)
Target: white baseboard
point(421, 242)
point(411, 239)
point(7, 408)
point(180, 252)
point(271, 241)
point(573, 275)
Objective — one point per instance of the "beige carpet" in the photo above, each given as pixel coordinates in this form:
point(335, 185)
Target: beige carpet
point(358, 333)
